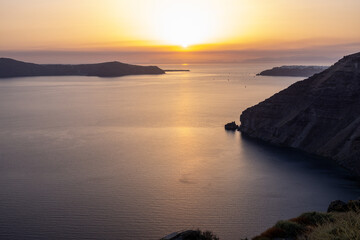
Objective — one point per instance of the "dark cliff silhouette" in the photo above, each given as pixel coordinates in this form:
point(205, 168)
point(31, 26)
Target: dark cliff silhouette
point(13, 68)
point(319, 115)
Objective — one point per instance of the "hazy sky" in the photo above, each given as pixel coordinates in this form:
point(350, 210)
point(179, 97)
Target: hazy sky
point(178, 25)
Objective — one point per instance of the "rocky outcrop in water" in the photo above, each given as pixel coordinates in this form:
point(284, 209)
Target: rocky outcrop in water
point(293, 71)
point(231, 126)
point(13, 68)
point(319, 115)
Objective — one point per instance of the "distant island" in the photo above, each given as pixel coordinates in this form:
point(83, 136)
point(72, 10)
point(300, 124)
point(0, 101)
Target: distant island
point(319, 115)
point(293, 71)
point(13, 68)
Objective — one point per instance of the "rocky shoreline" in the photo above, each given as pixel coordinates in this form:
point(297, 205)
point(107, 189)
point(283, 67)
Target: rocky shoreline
point(319, 115)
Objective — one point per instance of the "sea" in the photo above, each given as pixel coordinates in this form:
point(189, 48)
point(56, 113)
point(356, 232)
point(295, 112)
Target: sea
point(140, 157)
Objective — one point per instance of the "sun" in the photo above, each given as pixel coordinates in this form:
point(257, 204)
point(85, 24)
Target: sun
point(182, 24)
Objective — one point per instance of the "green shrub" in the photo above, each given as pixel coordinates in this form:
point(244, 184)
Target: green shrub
point(345, 226)
point(271, 233)
point(354, 205)
point(199, 235)
point(282, 229)
point(313, 218)
point(207, 235)
point(291, 229)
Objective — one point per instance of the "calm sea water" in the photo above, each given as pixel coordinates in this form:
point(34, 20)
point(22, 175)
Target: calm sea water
point(140, 157)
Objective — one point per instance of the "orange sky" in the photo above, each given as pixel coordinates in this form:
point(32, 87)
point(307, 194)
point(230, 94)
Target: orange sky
point(177, 25)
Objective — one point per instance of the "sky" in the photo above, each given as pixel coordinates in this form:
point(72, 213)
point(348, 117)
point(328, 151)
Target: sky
point(179, 30)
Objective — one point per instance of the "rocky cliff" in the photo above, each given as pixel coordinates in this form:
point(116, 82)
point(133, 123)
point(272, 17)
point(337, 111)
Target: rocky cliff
point(293, 71)
point(319, 115)
point(13, 68)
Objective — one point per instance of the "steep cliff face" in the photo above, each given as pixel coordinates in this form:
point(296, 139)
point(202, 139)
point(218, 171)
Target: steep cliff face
point(319, 115)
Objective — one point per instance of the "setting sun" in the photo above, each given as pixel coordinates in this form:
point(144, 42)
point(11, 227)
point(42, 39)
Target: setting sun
point(179, 24)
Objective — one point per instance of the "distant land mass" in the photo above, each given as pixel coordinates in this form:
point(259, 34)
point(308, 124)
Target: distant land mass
point(13, 68)
point(177, 70)
point(293, 71)
point(319, 115)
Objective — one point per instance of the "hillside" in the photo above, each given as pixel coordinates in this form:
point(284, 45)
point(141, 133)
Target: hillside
point(13, 68)
point(319, 115)
point(293, 71)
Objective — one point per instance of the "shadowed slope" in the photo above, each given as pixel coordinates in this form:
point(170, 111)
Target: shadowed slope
point(319, 115)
